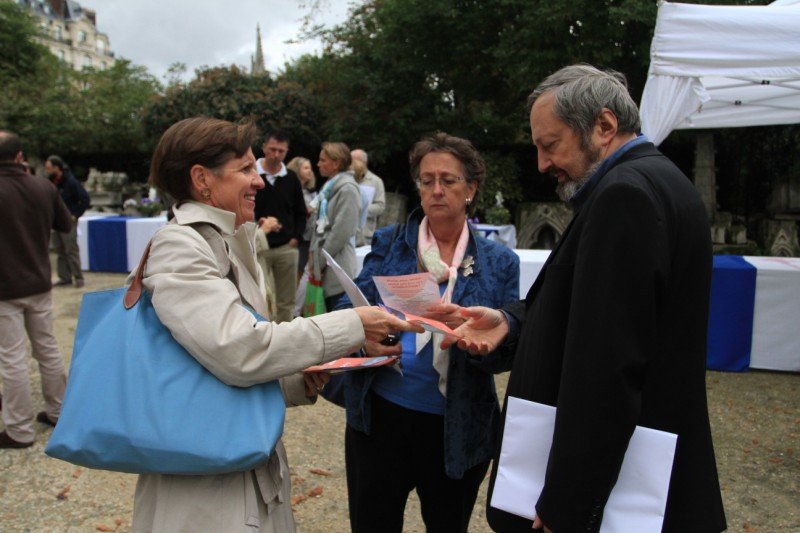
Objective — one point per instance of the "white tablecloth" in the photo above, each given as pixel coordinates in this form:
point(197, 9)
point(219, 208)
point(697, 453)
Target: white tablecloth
point(83, 238)
point(505, 234)
point(776, 314)
point(138, 232)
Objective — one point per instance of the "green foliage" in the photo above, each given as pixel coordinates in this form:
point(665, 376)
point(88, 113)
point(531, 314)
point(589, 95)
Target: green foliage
point(58, 110)
point(20, 55)
point(230, 93)
point(400, 68)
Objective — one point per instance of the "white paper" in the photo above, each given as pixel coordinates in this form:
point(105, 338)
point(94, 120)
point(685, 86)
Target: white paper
point(367, 195)
point(357, 297)
point(412, 293)
point(636, 503)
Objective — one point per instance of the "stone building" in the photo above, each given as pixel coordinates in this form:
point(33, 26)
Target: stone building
point(70, 32)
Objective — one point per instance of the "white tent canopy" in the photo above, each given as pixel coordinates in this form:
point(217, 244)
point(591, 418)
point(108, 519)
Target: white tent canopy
point(722, 67)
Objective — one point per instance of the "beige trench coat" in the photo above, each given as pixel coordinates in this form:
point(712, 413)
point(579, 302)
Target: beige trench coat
point(204, 312)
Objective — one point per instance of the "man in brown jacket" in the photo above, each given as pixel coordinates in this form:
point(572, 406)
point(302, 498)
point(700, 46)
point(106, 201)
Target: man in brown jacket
point(31, 207)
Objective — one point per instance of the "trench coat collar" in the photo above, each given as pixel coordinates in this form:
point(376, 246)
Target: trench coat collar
point(240, 241)
point(191, 212)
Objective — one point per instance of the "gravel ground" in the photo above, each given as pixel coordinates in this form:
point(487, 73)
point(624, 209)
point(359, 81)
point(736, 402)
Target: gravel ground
point(755, 419)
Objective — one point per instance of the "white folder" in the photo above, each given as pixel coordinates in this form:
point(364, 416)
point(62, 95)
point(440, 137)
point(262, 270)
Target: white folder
point(636, 503)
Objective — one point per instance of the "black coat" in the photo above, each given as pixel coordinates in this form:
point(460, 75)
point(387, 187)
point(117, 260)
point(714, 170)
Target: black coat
point(613, 333)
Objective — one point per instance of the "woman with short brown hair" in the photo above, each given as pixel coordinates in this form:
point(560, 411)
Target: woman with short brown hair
point(201, 273)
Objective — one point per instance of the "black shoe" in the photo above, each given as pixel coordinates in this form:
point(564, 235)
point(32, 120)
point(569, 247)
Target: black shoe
point(8, 442)
point(44, 419)
point(61, 283)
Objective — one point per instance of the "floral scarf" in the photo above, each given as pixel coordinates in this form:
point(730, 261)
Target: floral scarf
point(431, 260)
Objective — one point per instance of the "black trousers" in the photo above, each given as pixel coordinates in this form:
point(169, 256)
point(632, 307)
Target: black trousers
point(405, 451)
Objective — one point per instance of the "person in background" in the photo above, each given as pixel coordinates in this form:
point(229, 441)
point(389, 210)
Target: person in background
point(433, 428)
point(208, 167)
point(281, 198)
point(337, 211)
point(378, 204)
point(305, 173)
point(31, 208)
point(613, 331)
point(66, 244)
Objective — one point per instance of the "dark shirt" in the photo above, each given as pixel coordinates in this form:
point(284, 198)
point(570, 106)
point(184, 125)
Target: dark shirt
point(72, 192)
point(30, 207)
point(284, 201)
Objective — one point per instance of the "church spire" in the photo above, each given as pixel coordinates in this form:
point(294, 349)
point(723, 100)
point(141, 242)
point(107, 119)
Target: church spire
point(257, 62)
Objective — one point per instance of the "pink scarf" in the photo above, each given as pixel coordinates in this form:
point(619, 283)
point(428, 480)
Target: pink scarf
point(431, 260)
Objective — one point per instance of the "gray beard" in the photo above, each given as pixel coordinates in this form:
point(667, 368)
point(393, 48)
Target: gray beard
point(567, 189)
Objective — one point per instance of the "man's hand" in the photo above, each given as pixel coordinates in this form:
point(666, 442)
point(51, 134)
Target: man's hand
point(378, 324)
point(293, 243)
point(448, 314)
point(537, 524)
point(484, 330)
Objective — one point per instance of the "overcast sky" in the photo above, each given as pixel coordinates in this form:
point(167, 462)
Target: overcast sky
point(158, 33)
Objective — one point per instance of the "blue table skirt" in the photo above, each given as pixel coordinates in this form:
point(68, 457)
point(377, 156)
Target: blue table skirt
point(108, 245)
point(730, 317)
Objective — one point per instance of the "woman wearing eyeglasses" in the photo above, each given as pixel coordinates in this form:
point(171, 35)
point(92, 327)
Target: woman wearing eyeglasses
point(433, 428)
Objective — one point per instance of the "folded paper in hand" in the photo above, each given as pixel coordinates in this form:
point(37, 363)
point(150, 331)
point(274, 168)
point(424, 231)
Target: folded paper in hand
point(346, 364)
point(636, 503)
point(409, 295)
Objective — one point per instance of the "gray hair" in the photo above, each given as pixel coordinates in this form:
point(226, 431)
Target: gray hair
point(582, 92)
point(360, 154)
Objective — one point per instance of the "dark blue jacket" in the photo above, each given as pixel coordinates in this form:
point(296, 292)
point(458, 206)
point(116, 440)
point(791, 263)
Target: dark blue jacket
point(472, 413)
point(73, 194)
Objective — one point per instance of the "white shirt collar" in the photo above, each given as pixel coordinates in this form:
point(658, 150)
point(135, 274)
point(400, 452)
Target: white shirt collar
point(270, 177)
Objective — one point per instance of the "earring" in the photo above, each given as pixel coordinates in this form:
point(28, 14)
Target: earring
point(469, 201)
point(206, 194)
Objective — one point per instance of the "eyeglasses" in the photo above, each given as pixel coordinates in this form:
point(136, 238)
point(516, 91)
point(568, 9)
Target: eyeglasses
point(446, 181)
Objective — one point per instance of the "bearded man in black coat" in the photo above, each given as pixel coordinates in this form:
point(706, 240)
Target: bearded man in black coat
point(613, 331)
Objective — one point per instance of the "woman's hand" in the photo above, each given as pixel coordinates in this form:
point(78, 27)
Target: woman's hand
point(374, 349)
point(315, 382)
point(448, 314)
point(269, 224)
point(378, 324)
point(484, 330)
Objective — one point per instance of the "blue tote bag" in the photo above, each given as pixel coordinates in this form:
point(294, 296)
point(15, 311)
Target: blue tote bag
point(137, 401)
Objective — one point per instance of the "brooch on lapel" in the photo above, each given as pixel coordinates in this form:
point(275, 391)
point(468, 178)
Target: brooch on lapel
point(466, 266)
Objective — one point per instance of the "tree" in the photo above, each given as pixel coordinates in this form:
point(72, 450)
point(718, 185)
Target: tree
point(397, 69)
point(56, 109)
point(20, 54)
point(229, 93)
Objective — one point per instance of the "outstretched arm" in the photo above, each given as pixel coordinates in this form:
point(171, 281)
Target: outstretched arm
point(481, 331)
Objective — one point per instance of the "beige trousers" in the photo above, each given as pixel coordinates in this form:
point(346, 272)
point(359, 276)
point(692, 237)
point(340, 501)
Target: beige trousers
point(283, 263)
point(69, 259)
point(33, 314)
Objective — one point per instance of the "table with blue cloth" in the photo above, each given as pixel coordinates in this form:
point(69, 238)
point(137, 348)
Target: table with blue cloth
point(114, 243)
point(754, 314)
